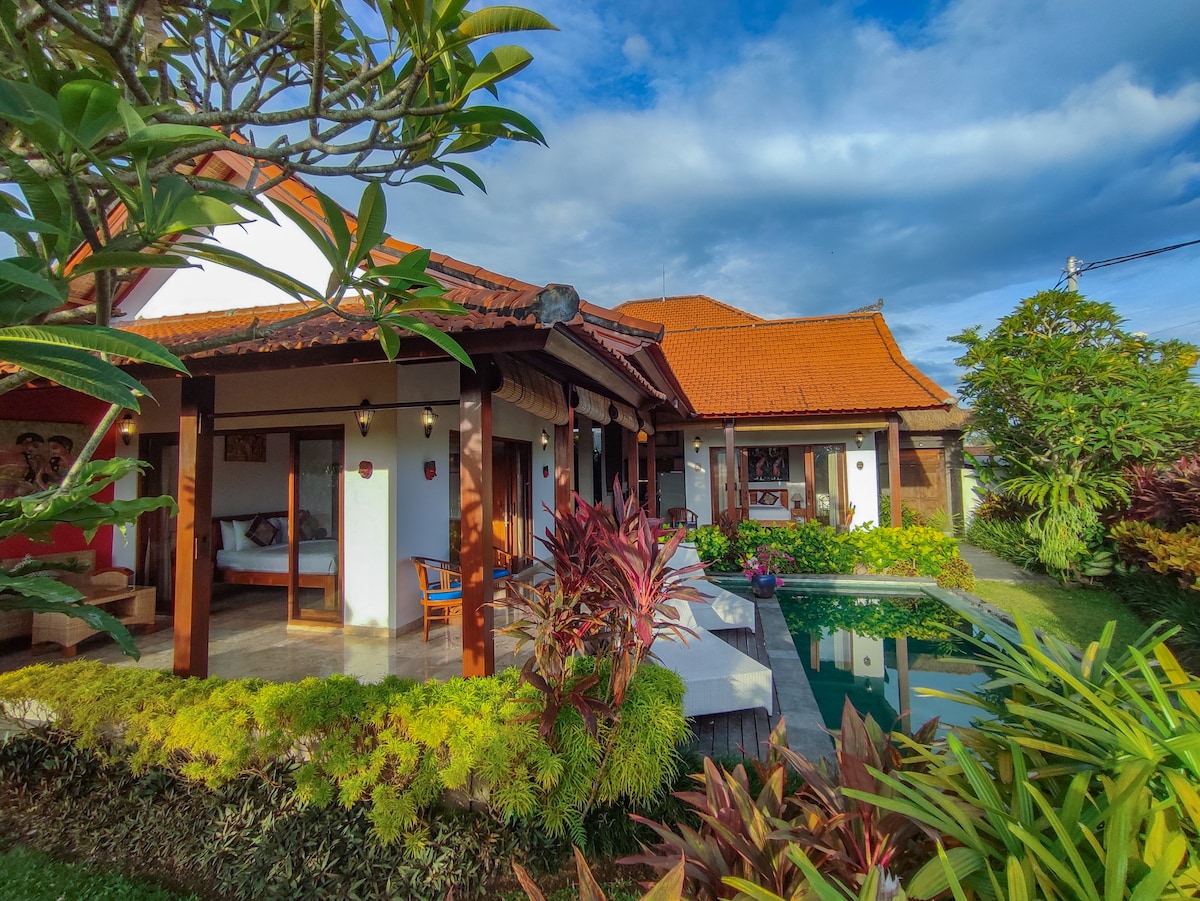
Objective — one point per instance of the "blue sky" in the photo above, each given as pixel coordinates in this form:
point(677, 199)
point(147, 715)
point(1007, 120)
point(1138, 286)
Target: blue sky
point(798, 159)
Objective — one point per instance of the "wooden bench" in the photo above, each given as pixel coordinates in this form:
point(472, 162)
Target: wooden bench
point(133, 605)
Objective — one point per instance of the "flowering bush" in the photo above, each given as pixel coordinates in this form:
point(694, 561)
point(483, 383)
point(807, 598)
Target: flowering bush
point(766, 561)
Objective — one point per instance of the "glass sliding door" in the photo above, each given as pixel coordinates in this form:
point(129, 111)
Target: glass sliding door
point(828, 464)
point(315, 525)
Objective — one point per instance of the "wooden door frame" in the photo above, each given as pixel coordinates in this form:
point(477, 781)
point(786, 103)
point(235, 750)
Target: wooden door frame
point(295, 435)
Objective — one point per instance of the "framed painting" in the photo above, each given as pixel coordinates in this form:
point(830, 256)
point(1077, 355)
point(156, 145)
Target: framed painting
point(36, 455)
point(768, 464)
point(246, 447)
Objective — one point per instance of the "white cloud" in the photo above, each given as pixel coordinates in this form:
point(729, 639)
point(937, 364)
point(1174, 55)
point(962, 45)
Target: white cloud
point(830, 161)
point(636, 50)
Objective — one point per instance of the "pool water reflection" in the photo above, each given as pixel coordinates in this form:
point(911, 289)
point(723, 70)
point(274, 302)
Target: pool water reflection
point(877, 651)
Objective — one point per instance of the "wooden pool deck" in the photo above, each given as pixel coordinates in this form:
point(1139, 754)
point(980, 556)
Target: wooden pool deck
point(744, 733)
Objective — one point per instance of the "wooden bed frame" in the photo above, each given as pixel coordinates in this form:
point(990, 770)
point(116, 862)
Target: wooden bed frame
point(328, 582)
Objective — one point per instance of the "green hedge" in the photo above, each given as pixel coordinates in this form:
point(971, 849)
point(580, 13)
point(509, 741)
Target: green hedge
point(817, 548)
point(398, 747)
point(251, 839)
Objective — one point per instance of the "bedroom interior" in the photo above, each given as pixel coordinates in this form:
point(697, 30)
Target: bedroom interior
point(784, 483)
point(277, 511)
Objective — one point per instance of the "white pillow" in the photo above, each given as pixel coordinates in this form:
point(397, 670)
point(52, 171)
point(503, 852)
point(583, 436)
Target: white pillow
point(228, 535)
point(240, 526)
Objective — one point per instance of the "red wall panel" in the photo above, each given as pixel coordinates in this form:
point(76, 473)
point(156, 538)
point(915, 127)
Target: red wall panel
point(61, 405)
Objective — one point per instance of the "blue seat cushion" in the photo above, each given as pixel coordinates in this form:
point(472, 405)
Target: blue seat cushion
point(454, 595)
point(499, 572)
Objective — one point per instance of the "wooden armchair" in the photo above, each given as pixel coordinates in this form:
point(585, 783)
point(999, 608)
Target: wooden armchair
point(441, 590)
point(441, 586)
point(682, 516)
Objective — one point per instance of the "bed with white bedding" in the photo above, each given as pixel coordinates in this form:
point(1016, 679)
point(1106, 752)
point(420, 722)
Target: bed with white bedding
point(240, 561)
point(768, 505)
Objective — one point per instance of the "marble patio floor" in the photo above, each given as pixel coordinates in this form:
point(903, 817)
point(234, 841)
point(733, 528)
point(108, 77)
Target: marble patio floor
point(249, 637)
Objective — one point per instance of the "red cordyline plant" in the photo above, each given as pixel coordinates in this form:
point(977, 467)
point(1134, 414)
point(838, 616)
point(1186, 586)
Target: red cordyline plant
point(750, 836)
point(608, 594)
point(1166, 496)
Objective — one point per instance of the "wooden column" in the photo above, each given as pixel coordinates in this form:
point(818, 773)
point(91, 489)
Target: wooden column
point(564, 464)
point(731, 466)
point(194, 554)
point(478, 553)
point(651, 478)
point(894, 470)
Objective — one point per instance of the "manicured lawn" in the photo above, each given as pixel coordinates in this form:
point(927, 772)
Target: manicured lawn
point(27, 876)
point(1075, 615)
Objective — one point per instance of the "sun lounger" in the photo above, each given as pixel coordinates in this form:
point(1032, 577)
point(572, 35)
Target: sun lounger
point(724, 610)
point(717, 676)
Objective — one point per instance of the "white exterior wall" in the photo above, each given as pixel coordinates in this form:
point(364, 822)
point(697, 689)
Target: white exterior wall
point(396, 513)
point(282, 246)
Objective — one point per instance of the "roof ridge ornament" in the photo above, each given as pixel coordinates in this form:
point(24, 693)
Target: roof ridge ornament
point(556, 303)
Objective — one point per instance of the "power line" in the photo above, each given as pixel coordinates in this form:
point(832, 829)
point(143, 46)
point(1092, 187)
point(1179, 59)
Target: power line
point(1077, 267)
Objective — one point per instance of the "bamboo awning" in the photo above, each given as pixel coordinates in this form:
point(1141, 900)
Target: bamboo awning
point(532, 390)
point(592, 405)
point(625, 416)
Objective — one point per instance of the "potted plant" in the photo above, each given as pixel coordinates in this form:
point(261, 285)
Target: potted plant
point(762, 569)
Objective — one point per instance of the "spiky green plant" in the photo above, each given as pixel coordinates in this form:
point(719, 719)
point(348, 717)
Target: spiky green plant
point(1080, 782)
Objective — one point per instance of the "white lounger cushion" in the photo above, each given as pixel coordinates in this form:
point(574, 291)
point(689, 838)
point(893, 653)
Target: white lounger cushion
point(728, 610)
point(718, 677)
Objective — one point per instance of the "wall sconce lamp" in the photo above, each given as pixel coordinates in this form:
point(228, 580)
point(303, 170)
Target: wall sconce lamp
point(696, 442)
point(126, 427)
point(858, 438)
point(545, 440)
point(428, 418)
point(363, 416)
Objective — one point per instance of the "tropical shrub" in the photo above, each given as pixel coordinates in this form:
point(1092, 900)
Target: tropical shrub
point(1067, 397)
point(817, 548)
point(1156, 598)
point(956, 573)
point(1079, 781)
point(714, 547)
point(251, 839)
point(750, 836)
point(1176, 553)
point(608, 594)
point(1166, 496)
point(926, 549)
point(397, 746)
point(1009, 540)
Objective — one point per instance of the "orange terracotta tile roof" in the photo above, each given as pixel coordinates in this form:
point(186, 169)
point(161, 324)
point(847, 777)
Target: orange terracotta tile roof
point(793, 367)
point(686, 312)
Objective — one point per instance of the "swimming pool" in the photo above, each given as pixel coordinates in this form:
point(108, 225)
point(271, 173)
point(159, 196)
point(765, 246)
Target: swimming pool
point(876, 646)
